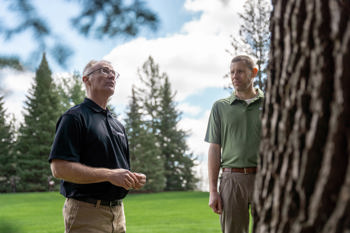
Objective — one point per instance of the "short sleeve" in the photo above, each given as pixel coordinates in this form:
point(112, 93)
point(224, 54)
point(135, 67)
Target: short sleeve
point(213, 129)
point(68, 139)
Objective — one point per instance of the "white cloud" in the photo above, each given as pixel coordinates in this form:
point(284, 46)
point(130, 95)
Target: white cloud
point(189, 109)
point(194, 60)
point(16, 81)
point(218, 17)
point(197, 128)
point(17, 84)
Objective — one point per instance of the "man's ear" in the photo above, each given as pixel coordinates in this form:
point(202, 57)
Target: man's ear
point(255, 71)
point(85, 79)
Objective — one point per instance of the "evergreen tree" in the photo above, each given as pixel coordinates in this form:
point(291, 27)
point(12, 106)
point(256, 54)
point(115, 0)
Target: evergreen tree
point(77, 93)
point(254, 36)
point(160, 112)
point(144, 154)
point(7, 157)
point(172, 140)
point(37, 132)
point(71, 91)
point(152, 80)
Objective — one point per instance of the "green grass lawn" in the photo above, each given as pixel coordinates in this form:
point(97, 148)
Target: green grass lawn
point(168, 212)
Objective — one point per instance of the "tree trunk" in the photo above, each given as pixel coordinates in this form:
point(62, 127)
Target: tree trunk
point(303, 183)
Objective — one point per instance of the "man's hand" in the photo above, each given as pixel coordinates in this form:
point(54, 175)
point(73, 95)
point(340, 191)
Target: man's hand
point(215, 202)
point(123, 178)
point(141, 180)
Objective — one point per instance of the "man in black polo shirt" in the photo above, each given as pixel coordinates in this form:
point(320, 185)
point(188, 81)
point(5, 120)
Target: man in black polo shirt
point(90, 154)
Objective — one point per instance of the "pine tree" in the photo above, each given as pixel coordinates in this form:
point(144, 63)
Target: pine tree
point(152, 80)
point(254, 36)
point(37, 132)
point(178, 164)
point(160, 112)
point(7, 157)
point(144, 154)
point(77, 92)
point(71, 91)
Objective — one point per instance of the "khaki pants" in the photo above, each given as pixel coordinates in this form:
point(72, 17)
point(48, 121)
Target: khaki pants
point(83, 217)
point(236, 191)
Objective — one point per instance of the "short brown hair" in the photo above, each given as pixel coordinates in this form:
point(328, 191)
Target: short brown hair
point(246, 59)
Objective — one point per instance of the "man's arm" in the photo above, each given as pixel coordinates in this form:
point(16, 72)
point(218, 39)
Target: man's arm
point(81, 174)
point(214, 158)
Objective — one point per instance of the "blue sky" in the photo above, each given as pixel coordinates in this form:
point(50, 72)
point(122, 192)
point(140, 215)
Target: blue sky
point(190, 46)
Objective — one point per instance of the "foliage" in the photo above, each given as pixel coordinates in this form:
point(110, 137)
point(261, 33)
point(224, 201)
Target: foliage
point(7, 156)
point(158, 119)
point(117, 18)
point(100, 18)
point(254, 37)
point(71, 91)
point(172, 140)
point(11, 62)
point(37, 132)
point(144, 153)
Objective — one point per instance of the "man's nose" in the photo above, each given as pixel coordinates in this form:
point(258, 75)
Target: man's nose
point(111, 76)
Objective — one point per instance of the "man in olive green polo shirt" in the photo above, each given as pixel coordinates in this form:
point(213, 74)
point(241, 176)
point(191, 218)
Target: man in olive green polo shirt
point(234, 136)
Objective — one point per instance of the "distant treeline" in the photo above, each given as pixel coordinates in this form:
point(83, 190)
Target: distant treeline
point(157, 146)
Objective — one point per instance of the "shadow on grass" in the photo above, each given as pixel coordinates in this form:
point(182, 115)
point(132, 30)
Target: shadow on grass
point(9, 226)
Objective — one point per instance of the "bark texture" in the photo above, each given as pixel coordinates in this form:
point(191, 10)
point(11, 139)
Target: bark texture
point(303, 183)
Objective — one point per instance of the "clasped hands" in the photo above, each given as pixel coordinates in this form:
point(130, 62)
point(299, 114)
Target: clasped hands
point(127, 179)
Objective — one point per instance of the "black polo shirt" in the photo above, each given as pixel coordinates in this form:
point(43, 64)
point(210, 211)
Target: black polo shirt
point(90, 135)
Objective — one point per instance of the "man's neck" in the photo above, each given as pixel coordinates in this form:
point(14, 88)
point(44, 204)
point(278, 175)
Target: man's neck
point(244, 95)
point(100, 101)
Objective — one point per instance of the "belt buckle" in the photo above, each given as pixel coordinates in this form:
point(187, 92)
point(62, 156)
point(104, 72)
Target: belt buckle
point(114, 203)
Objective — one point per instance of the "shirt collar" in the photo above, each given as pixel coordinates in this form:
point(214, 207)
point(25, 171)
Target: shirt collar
point(92, 105)
point(260, 94)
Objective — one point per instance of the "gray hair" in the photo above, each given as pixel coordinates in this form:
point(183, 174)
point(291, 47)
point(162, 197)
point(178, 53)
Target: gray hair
point(92, 63)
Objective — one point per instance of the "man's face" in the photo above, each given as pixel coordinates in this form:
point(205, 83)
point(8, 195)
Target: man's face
point(241, 76)
point(101, 80)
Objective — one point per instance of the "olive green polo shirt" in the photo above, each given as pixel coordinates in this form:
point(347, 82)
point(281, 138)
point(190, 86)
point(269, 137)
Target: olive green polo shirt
point(236, 126)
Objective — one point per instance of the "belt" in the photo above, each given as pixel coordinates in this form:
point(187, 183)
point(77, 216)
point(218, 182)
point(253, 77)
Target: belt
point(245, 170)
point(96, 201)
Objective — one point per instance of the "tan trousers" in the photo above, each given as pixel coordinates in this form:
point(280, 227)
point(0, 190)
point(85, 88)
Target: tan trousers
point(83, 217)
point(236, 191)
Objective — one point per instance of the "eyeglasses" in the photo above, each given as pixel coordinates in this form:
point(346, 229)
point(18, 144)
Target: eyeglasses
point(106, 71)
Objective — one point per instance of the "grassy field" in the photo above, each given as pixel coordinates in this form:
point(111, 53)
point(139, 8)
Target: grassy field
point(170, 212)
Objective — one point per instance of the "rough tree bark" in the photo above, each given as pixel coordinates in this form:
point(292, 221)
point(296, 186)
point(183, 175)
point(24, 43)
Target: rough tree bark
point(303, 184)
